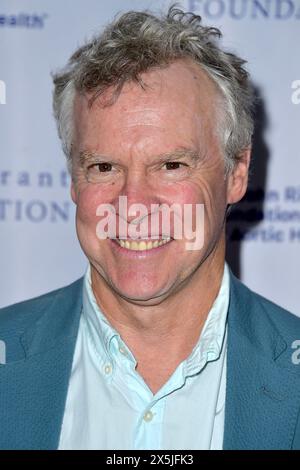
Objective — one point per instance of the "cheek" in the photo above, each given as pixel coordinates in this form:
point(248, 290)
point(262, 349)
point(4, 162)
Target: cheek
point(183, 193)
point(212, 194)
point(88, 200)
point(200, 192)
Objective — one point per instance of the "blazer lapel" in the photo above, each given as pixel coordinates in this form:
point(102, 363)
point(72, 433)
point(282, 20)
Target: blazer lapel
point(33, 389)
point(263, 387)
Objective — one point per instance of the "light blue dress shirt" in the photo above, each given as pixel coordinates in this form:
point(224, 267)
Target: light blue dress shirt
point(109, 406)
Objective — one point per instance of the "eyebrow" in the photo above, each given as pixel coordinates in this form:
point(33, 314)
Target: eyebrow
point(181, 152)
point(85, 156)
point(177, 154)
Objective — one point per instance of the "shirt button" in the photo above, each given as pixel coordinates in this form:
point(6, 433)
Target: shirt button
point(122, 350)
point(108, 369)
point(148, 416)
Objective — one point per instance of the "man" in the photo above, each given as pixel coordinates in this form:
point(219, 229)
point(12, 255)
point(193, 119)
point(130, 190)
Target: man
point(158, 346)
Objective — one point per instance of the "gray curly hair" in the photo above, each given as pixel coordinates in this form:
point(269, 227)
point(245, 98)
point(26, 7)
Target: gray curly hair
point(136, 42)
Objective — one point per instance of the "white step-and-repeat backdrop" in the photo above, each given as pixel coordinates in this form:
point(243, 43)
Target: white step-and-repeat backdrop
point(39, 249)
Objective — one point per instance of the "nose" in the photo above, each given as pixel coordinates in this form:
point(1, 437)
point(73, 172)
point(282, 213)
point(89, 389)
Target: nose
point(138, 189)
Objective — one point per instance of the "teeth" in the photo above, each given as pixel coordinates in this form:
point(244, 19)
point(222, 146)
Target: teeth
point(141, 245)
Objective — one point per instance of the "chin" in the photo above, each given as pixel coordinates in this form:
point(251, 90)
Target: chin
point(141, 293)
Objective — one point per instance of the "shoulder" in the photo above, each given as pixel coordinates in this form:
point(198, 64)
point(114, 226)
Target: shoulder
point(279, 315)
point(257, 311)
point(22, 314)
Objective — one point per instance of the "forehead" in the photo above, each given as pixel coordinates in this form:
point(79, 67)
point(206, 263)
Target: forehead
point(180, 97)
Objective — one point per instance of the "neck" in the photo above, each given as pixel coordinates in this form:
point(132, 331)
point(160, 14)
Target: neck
point(171, 328)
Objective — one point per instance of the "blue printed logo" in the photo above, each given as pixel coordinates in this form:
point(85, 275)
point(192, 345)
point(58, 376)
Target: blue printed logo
point(251, 9)
point(23, 20)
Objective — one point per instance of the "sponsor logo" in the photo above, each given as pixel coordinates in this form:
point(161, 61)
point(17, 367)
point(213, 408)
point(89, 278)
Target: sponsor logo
point(23, 20)
point(281, 10)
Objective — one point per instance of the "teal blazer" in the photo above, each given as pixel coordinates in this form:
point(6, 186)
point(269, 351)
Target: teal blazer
point(263, 384)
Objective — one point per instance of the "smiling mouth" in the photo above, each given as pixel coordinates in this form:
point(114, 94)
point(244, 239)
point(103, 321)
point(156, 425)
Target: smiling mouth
point(142, 245)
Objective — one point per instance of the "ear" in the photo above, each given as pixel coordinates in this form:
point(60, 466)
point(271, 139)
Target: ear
point(238, 178)
point(73, 192)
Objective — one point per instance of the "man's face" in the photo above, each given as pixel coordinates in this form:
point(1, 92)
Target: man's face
point(144, 146)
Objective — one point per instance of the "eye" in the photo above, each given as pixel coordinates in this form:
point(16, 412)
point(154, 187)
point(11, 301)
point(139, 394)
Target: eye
point(102, 167)
point(174, 165)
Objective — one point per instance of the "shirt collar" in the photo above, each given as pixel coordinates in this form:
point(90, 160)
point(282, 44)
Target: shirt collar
point(209, 345)
point(100, 330)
